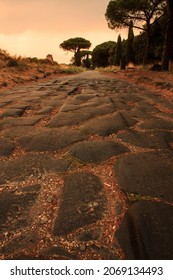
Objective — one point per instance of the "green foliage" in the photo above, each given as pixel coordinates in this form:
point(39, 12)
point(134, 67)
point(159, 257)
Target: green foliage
point(71, 70)
point(100, 56)
point(118, 52)
point(144, 13)
point(75, 45)
point(130, 52)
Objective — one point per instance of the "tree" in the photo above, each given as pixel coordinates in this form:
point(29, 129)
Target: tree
point(100, 55)
point(118, 52)
point(168, 44)
point(76, 45)
point(143, 13)
point(130, 52)
point(85, 58)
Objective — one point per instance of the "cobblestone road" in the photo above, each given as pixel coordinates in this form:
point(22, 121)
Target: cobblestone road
point(86, 170)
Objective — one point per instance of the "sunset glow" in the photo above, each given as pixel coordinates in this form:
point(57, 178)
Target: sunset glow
point(38, 27)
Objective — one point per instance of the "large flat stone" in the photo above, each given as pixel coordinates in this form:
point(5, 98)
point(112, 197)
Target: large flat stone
point(12, 113)
point(14, 209)
point(146, 174)
point(153, 140)
point(47, 139)
point(76, 116)
point(27, 121)
point(30, 165)
point(82, 203)
point(157, 124)
point(6, 147)
point(105, 125)
point(146, 231)
point(96, 151)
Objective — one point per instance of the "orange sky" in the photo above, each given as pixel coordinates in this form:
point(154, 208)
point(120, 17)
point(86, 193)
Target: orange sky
point(38, 27)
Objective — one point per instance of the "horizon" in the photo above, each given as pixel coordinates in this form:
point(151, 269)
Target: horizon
point(27, 32)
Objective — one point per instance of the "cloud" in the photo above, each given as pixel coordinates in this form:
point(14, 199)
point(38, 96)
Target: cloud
point(53, 15)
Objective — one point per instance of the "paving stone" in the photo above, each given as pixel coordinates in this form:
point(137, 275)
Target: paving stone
point(77, 116)
point(146, 174)
point(22, 106)
point(47, 139)
point(71, 107)
point(96, 151)
point(44, 110)
point(21, 242)
point(153, 140)
point(95, 233)
point(6, 147)
point(58, 253)
point(146, 107)
point(157, 124)
point(18, 131)
point(27, 121)
point(105, 125)
point(14, 210)
point(31, 165)
point(146, 231)
point(80, 192)
point(12, 113)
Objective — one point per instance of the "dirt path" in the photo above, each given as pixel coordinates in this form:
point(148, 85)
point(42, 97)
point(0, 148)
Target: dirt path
point(86, 170)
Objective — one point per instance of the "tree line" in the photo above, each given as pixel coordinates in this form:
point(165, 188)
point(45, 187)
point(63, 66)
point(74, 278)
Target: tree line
point(154, 18)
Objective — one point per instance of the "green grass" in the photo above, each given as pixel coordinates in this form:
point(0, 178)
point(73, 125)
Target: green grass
point(71, 70)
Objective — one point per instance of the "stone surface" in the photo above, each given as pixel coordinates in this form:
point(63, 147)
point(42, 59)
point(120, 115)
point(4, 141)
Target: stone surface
point(146, 174)
point(47, 139)
point(147, 139)
point(105, 125)
point(61, 140)
point(96, 151)
point(157, 124)
point(31, 165)
point(146, 231)
point(81, 190)
point(14, 206)
point(6, 147)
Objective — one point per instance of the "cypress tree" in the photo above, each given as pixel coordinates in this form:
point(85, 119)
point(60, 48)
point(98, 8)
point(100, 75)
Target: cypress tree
point(118, 53)
point(130, 52)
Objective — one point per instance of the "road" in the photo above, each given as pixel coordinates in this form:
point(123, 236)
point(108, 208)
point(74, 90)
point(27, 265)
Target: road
point(86, 170)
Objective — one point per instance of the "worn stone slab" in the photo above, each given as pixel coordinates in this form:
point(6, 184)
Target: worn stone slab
point(77, 116)
point(31, 165)
point(14, 209)
point(27, 121)
point(82, 203)
point(72, 107)
point(146, 174)
point(12, 113)
point(105, 125)
point(18, 243)
point(6, 147)
point(146, 231)
point(47, 139)
point(44, 110)
point(18, 131)
point(153, 140)
point(157, 124)
point(97, 151)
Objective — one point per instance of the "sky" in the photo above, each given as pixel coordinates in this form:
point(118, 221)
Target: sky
point(35, 28)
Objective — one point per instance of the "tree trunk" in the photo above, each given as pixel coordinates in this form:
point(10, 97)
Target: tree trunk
point(77, 58)
point(148, 43)
point(168, 38)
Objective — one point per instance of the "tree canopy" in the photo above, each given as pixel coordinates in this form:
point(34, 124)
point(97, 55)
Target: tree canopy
point(75, 45)
point(143, 13)
point(101, 54)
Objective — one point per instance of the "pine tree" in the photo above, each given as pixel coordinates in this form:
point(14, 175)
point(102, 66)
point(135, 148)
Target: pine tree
point(118, 53)
point(130, 52)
